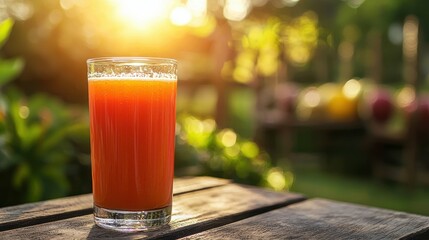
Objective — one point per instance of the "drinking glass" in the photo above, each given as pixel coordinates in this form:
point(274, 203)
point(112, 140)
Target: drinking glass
point(132, 108)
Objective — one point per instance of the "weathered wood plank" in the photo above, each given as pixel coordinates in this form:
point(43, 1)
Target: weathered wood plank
point(322, 219)
point(40, 212)
point(193, 212)
point(190, 184)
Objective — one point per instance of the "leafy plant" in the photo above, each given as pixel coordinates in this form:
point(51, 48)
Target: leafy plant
point(37, 146)
point(206, 150)
point(39, 140)
point(9, 68)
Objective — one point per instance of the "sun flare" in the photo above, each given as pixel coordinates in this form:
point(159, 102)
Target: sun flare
point(142, 12)
point(181, 16)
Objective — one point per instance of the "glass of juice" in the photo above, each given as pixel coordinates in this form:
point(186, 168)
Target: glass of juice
point(132, 108)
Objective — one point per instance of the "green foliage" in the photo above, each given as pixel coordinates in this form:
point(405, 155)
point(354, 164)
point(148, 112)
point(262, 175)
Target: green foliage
point(38, 136)
point(5, 28)
point(222, 153)
point(9, 68)
point(40, 140)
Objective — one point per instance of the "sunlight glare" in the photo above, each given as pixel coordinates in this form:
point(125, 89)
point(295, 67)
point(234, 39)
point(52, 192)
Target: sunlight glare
point(139, 12)
point(227, 138)
point(290, 3)
point(198, 7)
point(236, 10)
point(352, 88)
point(276, 179)
point(181, 16)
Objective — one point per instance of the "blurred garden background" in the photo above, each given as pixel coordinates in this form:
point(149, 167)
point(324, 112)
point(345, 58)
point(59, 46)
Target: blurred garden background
point(328, 98)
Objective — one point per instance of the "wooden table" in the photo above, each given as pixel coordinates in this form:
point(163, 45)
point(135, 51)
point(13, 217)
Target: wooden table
point(211, 208)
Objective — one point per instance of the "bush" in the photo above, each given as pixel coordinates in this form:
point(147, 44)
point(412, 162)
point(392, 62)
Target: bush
point(206, 150)
point(43, 142)
point(40, 147)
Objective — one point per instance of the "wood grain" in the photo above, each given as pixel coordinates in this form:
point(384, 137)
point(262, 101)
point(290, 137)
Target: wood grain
point(190, 184)
point(41, 212)
point(193, 212)
point(323, 219)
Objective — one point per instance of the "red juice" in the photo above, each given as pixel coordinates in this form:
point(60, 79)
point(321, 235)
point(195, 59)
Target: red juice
point(132, 124)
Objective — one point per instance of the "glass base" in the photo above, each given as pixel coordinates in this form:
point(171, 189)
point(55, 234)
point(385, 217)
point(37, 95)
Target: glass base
point(131, 221)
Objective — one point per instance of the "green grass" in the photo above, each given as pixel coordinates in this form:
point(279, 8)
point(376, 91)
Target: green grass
point(313, 183)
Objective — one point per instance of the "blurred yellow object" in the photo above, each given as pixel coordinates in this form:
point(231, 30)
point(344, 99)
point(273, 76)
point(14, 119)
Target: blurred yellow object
point(327, 91)
point(341, 108)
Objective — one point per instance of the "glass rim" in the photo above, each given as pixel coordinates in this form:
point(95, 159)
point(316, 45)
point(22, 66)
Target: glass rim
point(147, 60)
